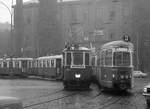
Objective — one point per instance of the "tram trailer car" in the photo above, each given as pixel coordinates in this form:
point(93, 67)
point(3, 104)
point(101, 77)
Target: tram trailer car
point(50, 66)
point(77, 70)
point(14, 67)
point(115, 65)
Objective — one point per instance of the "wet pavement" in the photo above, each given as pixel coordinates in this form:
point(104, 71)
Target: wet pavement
point(40, 94)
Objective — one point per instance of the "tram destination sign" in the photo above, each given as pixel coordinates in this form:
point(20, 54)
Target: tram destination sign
point(122, 49)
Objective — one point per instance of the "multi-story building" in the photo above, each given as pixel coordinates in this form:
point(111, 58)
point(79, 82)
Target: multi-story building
point(30, 34)
point(49, 28)
point(37, 31)
point(95, 21)
point(25, 25)
point(48, 25)
point(18, 28)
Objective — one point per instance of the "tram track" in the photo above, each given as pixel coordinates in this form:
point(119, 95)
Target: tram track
point(84, 97)
point(59, 95)
point(44, 95)
point(109, 102)
point(48, 99)
point(122, 101)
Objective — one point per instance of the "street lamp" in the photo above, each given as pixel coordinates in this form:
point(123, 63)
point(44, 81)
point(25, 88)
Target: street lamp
point(11, 17)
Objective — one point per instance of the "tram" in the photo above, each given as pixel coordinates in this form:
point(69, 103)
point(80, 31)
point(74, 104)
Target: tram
point(49, 66)
point(115, 65)
point(77, 69)
point(15, 67)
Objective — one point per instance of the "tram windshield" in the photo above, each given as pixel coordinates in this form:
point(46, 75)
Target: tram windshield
point(78, 58)
point(122, 59)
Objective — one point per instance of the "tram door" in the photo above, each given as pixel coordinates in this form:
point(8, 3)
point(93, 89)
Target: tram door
point(58, 67)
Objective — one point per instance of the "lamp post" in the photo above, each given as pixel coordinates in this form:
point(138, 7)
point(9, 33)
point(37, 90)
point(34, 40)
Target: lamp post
point(11, 21)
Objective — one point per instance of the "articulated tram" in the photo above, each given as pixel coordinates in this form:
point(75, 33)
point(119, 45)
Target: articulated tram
point(115, 65)
point(77, 69)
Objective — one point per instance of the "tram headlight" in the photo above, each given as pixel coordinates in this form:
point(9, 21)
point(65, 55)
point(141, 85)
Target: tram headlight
point(113, 75)
point(77, 75)
point(145, 90)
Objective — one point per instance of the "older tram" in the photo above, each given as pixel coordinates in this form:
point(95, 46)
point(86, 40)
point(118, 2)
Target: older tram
point(15, 67)
point(77, 70)
point(49, 66)
point(115, 65)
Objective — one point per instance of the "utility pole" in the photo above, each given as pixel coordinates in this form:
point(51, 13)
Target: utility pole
point(11, 20)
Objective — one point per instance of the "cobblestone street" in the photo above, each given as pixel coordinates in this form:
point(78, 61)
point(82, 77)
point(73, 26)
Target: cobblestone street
point(38, 94)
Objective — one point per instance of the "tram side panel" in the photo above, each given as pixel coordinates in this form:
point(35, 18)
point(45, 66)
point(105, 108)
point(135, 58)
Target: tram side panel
point(50, 68)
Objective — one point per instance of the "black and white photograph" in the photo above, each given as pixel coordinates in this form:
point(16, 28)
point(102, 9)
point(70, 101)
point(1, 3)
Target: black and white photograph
point(74, 54)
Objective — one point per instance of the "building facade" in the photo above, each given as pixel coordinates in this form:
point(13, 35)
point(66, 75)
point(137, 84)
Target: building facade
point(49, 25)
point(95, 21)
point(37, 32)
point(100, 21)
point(49, 28)
point(30, 34)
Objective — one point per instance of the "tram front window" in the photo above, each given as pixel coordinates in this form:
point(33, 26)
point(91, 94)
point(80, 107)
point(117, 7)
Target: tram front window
point(121, 59)
point(78, 58)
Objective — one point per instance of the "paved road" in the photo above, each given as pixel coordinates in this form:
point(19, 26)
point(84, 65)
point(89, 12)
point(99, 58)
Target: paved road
point(38, 94)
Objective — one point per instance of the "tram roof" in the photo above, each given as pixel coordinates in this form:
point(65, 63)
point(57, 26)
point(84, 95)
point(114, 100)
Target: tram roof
point(80, 48)
point(7, 59)
point(117, 44)
point(50, 57)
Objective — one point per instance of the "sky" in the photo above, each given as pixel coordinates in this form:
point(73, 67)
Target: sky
point(5, 15)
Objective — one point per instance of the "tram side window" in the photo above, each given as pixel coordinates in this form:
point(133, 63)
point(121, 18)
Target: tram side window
point(17, 64)
point(10, 64)
point(108, 58)
point(52, 63)
point(24, 63)
point(68, 57)
point(4, 64)
point(36, 64)
point(93, 61)
point(30, 64)
point(48, 64)
point(33, 64)
point(44, 64)
point(103, 58)
point(98, 61)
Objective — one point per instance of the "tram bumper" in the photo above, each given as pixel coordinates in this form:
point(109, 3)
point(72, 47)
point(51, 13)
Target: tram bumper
point(122, 84)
